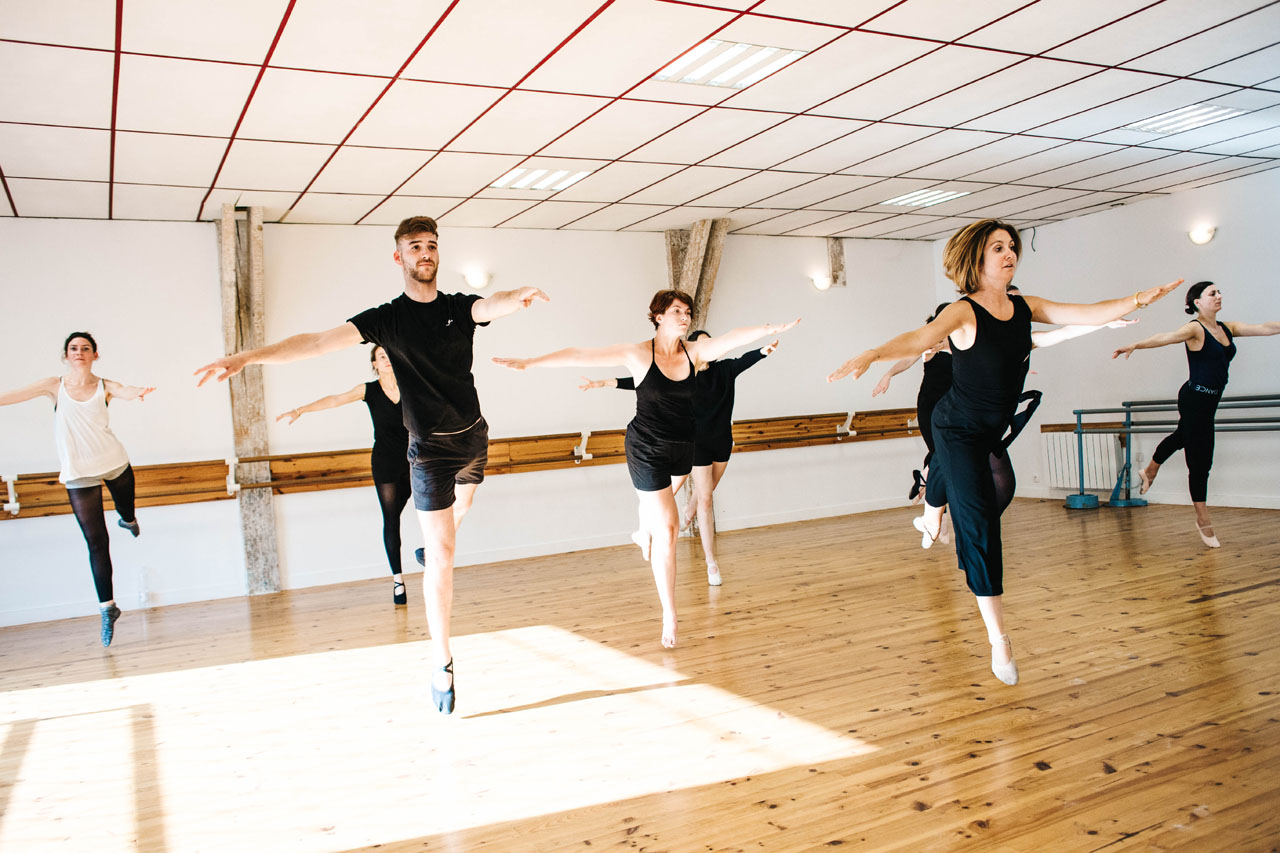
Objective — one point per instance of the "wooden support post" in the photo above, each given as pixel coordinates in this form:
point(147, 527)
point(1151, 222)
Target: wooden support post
point(242, 328)
point(835, 260)
point(677, 245)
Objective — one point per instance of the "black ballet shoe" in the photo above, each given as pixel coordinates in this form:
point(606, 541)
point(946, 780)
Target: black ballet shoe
point(398, 593)
point(444, 698)
point(131, 526)
point(420, 555)
point(914, 494)
point(109, 617)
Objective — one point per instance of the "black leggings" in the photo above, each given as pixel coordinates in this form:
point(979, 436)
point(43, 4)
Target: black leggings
point(393, 497)
point(86, 503)
point(1194, 436)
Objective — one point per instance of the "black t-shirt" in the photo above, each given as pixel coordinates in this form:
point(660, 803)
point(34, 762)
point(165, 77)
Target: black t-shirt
point(429, 345)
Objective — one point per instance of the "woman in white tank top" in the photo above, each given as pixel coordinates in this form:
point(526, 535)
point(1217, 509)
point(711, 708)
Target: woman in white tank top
point(90, 456)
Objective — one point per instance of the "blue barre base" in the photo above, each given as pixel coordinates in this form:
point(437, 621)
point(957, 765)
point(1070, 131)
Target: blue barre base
point(1127, 502)
point(1082, 501)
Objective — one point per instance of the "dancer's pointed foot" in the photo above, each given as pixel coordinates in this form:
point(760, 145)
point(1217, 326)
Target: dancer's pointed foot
point(642, 539)
point(1206, 535)
point(1003, 665)
point(420, 554)
point(131, 526)
point(110, 614)
point(669, 631)
point(917, 488)
point(397, 590)
point(713, 574)
point(928, 537)
point(442, 693)
point(1145, 480)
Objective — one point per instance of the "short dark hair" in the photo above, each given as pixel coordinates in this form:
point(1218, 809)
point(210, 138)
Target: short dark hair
point(1193, 293)
point(88, 337)
point(662, 300)
point(416, 225)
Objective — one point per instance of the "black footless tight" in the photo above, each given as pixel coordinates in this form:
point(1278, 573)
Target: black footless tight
point(393, 497)
point(86, 503)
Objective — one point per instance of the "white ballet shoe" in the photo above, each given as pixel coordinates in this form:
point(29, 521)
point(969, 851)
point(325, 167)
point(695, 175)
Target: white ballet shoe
point(1211, 541)
point(713, 575)
point(926, 538)
point(643, 542)
point(1006, 672)
point(1144, 481)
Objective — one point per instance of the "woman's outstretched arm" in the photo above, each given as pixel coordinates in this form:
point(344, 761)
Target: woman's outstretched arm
point(1096, 313)
point(43, 388)
point(1249, 330)
point(330, 402)
point(908, 344)
point(710, 348)
point(1180, 335)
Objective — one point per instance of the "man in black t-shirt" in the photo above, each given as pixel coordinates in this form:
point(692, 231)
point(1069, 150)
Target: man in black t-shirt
point(428, 337)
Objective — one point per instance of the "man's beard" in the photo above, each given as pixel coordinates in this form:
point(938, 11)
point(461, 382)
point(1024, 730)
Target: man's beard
point(422, 277)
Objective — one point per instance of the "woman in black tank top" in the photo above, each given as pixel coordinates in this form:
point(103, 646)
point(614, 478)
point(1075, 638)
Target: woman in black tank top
point(1210, 346)
point(990, 336)
point(660, 437)
point(389, 459)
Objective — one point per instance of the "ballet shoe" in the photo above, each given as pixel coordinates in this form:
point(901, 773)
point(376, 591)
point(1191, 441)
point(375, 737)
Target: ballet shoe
point(916, 488)
point(1144, 482)
point(444, 699)
point(109, 616)
point(398, 594)
point(926, 539)
point(713, 575)
point(131, 526)
point(420, 555)
point(643, 542)
point(1211, 541)
point(1006, 672)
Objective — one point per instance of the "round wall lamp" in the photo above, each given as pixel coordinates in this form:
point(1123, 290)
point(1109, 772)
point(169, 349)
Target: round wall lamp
point(1201, 234)
point(476, 279)
point(822, 282)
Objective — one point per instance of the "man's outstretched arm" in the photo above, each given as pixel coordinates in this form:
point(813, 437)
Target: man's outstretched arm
point(296, 348)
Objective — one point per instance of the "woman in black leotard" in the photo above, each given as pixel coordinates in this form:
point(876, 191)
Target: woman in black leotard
point(713, 437)
point(660, 439)
point(1210, 345)
point(390, 453)
point(990, 336)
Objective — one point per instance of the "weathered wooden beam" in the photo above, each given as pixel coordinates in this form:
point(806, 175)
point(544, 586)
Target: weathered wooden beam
point(835, 261)
point(701, 263)
point(241, 255)
point(677, 245)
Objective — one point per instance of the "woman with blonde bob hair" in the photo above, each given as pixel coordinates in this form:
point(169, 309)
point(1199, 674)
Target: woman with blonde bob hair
point(660, 438)
point(989, 332)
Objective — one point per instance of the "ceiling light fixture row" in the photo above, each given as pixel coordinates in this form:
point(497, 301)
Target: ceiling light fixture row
point(538, 179)
point(924, 198)
point(739, 74)
point(1186, 118)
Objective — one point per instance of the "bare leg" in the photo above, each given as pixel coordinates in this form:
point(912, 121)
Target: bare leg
point(439, 537)
point(464, 494)
point(705, 479)
point(662, 520)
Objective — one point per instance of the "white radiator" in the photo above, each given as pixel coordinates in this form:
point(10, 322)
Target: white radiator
point(1103, 460)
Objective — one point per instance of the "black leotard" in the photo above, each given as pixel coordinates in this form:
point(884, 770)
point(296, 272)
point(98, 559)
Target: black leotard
point(659, 441)
point(390, 437)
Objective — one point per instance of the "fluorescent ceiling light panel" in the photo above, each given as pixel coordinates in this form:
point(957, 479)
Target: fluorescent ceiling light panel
point(570, 181)
point(744, 70)
point(538, 179)
point(1186, 118)
point(507, 178)
point(924, 198)
point(528, 179)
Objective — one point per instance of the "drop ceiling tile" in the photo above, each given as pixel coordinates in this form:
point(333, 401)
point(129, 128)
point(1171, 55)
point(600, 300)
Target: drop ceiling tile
point(1272, 151)
point(37, 151)
point(679, 217)
point(1050, 158)
point(1065, 101)
point(977, 202)
point(985, 157)
point(866, 143)
point(60, 22)
point(147, 101)
point(484, 212)
point(59, 199)
point(681, 93)
point(686, 185)
point(523, 122)
point(789, 139)
point(1228, 134)
point(742, 218)
point(816, 192)
point(778, 32)
point(617, 181)
point(450, 174)
point(401, 207)
point(1049, 23)
point(422, 115)
point(1253, 142)
point(945, 20)
point(1206, 180)
point(160, 158)
point(1076, 206)
point(755, 187)
point(1182, 171)
point(842, 13)
point(517, 35)
point(1000, 90)
point(881, 227)
point(615, 217)
point(368, 170)
point(914, 155)
point(1028, 206)
point(273, 204)
point(706, 135)
point(307, 106)
point(620, 127)
point(887, 191)
point(823, 74)
point(1083, 170)
point(627, 43)
point(1125, 111)
point(917, 82)
point(553, 214)
point(1125, 178)
point(229, 30)
point(5, 209)
point(1150, 30)
point(920, 227)
point(1247, 70)
point(278, 166)
point(339, 209)
point(788, 221)
point(174, 204)
point(55, 85)
point(360, 38)
point(1221, 44)
point(836, 225)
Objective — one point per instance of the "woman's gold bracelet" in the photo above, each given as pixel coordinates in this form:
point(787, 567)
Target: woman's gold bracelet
point(1136, 303)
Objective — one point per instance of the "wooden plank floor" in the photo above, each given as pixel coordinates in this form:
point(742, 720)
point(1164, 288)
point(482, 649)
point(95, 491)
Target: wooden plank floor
point(834, 693)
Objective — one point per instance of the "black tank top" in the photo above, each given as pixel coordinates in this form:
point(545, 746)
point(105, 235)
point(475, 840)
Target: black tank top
point(390, 437)
point(988, 376)
point(937, 376)
point(1209, 364)
point(664, 407)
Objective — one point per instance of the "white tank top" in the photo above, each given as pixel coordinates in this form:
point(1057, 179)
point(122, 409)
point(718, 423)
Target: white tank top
point(86, 445)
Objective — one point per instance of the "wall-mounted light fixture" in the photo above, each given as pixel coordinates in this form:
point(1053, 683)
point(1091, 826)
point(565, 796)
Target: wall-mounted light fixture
point(476, 279)
point(822, 282)
point(1201, 234)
